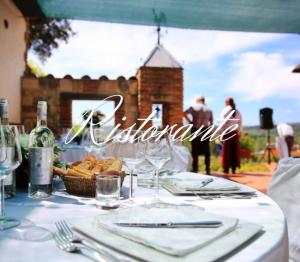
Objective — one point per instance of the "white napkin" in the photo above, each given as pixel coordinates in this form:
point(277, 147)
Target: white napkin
point(284, 190)
point(173, 241)
point(196, 185)
point(191, 182)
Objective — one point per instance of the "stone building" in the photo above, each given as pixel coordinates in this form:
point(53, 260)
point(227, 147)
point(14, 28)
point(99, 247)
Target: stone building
point(158, 81)
point(12, 52)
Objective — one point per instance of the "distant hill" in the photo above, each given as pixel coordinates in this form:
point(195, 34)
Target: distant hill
point(261, 134)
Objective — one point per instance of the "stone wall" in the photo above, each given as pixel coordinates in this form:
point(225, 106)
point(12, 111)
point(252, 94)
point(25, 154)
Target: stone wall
point(59, 93)
point(152, 85)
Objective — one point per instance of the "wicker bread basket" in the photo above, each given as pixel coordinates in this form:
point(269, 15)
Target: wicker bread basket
point(81, 186)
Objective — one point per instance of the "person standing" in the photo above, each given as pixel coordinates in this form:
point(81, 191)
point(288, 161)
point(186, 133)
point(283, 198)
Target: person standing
point(231, 147)
point(286, 132)
point(199, 115)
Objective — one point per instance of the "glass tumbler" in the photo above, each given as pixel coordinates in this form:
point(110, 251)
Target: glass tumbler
point(107, 191)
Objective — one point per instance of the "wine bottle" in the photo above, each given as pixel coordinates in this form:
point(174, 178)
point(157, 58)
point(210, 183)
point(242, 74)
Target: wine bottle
point(10, 179)
point(41, 142)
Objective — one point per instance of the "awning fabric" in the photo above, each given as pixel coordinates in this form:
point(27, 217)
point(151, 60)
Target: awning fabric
point(278, 16)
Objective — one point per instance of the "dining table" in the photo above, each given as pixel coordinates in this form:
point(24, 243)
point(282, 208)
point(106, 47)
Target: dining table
point(270, 245)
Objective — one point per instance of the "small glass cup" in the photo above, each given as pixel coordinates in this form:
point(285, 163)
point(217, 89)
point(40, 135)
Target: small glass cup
point(107, 191)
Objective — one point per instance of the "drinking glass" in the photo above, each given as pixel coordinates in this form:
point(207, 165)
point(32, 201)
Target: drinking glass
point(10, 179)
point(99, 135)
point(10, 159)
point(158, 153)
point(107, 190)
point(64, 132)
point(131, 148)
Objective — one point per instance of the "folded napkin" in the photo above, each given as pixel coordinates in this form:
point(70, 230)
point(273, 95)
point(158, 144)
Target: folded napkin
point(197, 185)
point(173, 241)
point(194, 182)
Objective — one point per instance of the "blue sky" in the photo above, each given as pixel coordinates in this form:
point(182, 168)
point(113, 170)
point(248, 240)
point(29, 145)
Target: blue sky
point(253, 68)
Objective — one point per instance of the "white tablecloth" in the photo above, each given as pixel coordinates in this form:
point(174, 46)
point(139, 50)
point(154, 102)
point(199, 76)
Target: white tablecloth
point(181, 157)
point(272, 245)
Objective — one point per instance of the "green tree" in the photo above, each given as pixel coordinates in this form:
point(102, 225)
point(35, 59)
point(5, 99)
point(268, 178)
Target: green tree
point(46, 34)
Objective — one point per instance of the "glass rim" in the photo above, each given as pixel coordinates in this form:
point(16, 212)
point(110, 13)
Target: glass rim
point(99, 176)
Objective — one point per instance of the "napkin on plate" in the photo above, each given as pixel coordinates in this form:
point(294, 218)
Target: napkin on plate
point(173, 241)
point(194, 182)
point(197, 185)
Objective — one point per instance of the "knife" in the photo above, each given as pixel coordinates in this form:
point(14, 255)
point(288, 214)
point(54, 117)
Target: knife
point(203, 224)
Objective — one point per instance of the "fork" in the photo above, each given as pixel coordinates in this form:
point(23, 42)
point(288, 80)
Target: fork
point(226, 196)
point(66, 233)
point(69, 247)
point(204, 197)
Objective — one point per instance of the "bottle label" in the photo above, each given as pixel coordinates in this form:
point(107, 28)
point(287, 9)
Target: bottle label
point(41, 165)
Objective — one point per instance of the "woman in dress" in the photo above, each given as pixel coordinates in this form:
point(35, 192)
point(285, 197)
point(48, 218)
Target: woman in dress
point(231, 147)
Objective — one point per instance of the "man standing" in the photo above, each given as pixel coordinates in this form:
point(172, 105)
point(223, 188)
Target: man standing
point(286, 132)
point(200, 115)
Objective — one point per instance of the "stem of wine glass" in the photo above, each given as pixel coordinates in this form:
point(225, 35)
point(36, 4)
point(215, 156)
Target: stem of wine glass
point(2, 209)
point(156, 183)
point(131, 183)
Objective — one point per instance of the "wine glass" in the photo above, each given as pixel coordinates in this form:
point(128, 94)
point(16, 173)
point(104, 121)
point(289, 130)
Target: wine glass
point(99, 137)
point(158, 153)
point(21, 129)
point(131, 148)
point(10, 159)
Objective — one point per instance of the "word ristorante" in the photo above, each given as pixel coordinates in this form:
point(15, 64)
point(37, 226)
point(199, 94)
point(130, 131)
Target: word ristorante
point(175, 132)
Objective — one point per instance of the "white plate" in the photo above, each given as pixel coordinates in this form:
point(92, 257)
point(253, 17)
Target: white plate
point(221, 247)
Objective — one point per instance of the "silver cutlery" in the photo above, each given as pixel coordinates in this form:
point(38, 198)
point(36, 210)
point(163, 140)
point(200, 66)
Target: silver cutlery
point(226, 196)
point(66, 233)
point(197, 224)
point(239, 196)
point(69, 247)
point(204, 197)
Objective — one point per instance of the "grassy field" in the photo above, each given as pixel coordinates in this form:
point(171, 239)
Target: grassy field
point(247, 166)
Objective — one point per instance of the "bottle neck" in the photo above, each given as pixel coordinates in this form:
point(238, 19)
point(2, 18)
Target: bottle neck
point(41, 116)
point(41, 122)
point(3, 115)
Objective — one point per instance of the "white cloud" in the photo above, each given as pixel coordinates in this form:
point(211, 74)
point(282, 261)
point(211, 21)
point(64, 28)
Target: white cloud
point(258, 75)
point(114, 49)
point(194, 45)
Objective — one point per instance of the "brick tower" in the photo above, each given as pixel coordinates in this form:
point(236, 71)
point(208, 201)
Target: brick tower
point(160, 81)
